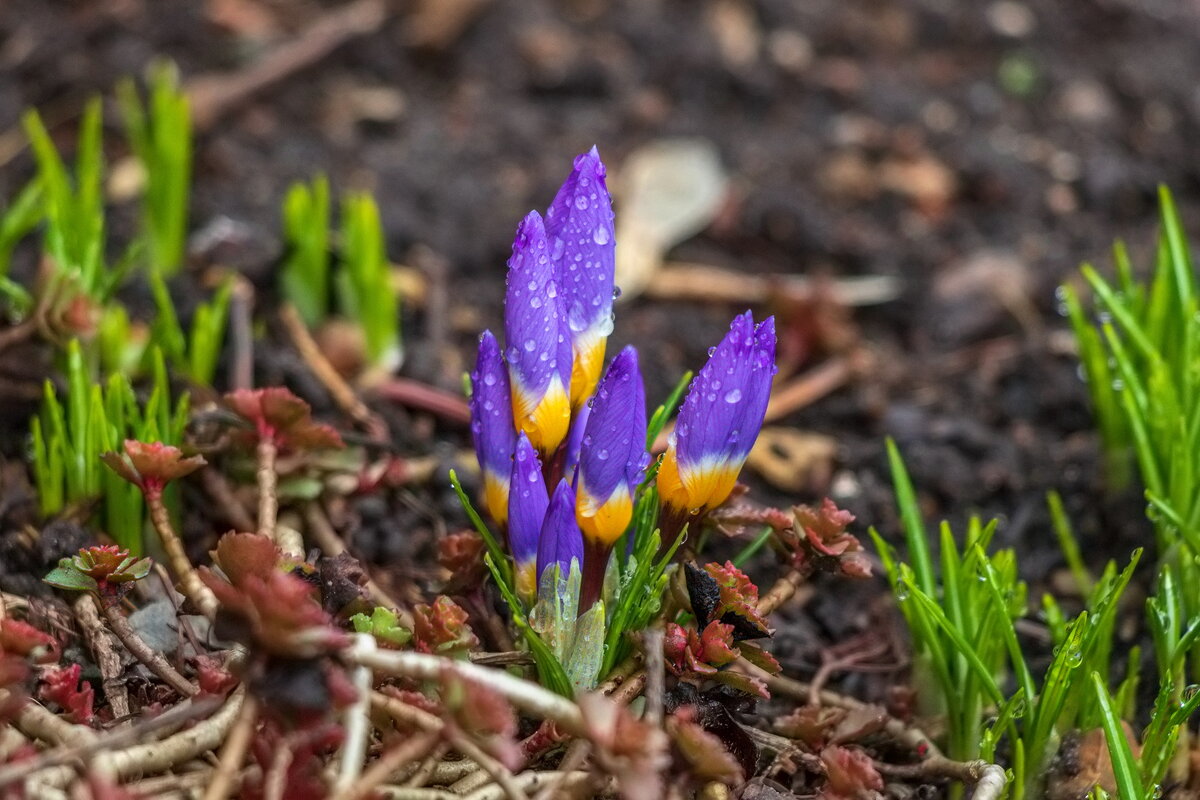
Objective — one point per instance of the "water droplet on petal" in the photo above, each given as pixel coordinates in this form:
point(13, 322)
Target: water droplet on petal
point(600, 236)
point(530, 345)
point(733, 395)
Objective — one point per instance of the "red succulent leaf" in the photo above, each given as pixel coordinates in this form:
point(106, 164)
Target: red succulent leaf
point(676, 648)
point(819, 540)
point(461, 554)
point(151, 465)
point(849, 774)
point(483, 714)
point(706, 755)
point(813, 725)
point(442, 629)
point(282, 417)
point(633, 751)
point(748, 684)
point(111, 564)
point(714, 646)
point(739, 595)
point(825, 528)
point(22, 639)
point(244, 554)
point(212, 677)
point(279, 613)
point(61, 685)
point(759, 658)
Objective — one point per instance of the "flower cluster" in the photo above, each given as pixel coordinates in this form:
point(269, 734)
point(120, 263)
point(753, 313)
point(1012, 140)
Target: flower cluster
point(561, 440)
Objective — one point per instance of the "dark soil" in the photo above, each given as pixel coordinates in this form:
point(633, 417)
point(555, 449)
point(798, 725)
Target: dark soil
point(977, 152)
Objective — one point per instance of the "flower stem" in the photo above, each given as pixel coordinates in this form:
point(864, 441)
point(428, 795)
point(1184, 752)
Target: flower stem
point(200, 595)
point(268, 480)
point(595, 563)
point(155, 662)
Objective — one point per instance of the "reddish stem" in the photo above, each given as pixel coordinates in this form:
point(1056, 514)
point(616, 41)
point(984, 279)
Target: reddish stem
point(595, 563)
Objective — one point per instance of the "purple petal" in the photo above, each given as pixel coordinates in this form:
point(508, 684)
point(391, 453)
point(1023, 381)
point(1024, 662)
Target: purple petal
point(537, 344)
point(614, 442)
point(491, 410)
point(527, 502)
point(561, 540)
point(575, 441)
point(580, 220)
point(723, 411)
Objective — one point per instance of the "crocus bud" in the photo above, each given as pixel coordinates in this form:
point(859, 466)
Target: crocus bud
point(613, 456)
point(611, 465)
point(580, 221)
point(538, 344)
point(527, 503)
point(492, 425)
point(561, 541)
point(719, 419)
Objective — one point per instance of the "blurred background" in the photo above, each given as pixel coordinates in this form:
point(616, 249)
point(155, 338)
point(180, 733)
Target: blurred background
point(904, 183)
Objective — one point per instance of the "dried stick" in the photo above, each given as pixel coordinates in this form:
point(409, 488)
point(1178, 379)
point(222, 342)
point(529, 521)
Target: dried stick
point(155, 662)
point(989, 779)
point(706, 283)
point(806, 389)
point(228, 503)
point(152, 757)
point(781, 592)
point(913, 738)
point(655, 677)
point(200, 595)
point(82, 744)
point(268, 500)
point(357, 719)
point(498, 772)
point(339, 390)
point(391, 760)
point(103, 646)
point(414, 394)
point(525, 695)
point(233, 751)
point(213, 96)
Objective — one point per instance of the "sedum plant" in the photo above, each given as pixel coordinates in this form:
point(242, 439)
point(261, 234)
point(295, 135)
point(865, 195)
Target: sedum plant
point(562, 441)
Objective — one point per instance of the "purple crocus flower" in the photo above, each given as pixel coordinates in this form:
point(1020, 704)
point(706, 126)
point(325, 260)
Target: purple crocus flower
point(575, 441)
point(719, 419)
point(527, 503)
point(492, 425)
point(538, 344)
point(561, 541)
point(611, 465)
point(580, 221)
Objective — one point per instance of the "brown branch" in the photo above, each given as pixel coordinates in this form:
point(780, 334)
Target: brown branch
point(498, 772)
point(195, 590)
point(233, 751)
point(392, 760)
point(81, 744)
point(989, 779)
point(103, 646)
point(213, 96)
point(268, 480)
point(330, 378)
point(155, 662)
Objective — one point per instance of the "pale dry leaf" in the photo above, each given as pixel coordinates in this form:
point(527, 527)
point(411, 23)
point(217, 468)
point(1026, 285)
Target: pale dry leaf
point(668, 191)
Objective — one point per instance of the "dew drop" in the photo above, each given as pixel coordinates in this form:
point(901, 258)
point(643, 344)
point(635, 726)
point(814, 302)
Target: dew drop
point(733, 395)
point(530, 345)
point(600, 235)
point(581, 203)
point(711, 351)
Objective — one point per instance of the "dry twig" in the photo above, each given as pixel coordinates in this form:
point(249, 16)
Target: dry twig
point(103, 646)
point(154, 661)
